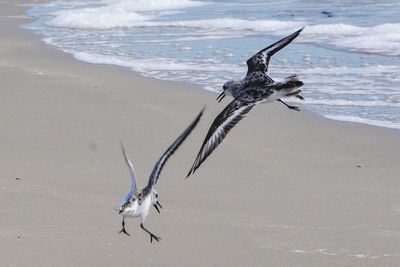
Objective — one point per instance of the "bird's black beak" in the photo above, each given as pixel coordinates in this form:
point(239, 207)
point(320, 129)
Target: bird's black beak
point(221, 96)
point(157, 205)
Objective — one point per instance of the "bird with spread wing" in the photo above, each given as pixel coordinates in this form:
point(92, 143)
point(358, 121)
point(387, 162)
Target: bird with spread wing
point(135, 204)
point(257, 87)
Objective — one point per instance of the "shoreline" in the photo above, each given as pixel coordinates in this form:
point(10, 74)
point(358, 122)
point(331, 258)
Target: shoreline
point(364, 107)
point(285, 188)
point(354, 120)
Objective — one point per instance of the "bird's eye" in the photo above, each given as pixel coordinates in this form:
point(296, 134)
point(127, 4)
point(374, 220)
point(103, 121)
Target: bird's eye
point(156, 195)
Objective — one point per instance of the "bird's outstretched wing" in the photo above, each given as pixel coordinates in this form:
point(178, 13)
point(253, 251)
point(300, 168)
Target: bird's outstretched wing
point(259, 62)
point(132, 192)
point(223, 123)
point(161, 162)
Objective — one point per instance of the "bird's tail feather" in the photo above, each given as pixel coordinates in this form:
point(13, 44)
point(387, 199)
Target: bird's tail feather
point(292, 81)
point(289, 85)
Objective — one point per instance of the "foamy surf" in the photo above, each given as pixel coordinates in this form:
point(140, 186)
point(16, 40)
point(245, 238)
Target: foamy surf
point(112, 14)
point(380, 39)
point(350, 66)
point(386, 124)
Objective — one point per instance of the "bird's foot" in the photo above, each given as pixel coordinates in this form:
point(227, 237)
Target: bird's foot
point(289, 106)
point(124, 231)
point(294, 108)
point(157, 238)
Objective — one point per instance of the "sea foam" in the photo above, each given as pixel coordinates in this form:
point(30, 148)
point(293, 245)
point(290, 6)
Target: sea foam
point(111, 14)
point(380, 39)
point(386, 124)
point(207, 42)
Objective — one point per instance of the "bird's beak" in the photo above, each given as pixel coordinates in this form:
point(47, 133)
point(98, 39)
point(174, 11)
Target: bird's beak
point(155, 206)
point(221, 96)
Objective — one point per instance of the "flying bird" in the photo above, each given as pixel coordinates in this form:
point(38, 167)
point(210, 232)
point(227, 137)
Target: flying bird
point(135, 204)
point(257, 87)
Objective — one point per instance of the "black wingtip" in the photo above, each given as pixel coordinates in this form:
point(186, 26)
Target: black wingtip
point(192, 171)
point(297, 33)
point(300, 30)
point(203, 109)
point(196, 120)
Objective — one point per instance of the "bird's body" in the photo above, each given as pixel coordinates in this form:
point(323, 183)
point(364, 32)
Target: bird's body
point(139, 207)
point(256, 88)
point(135, 204)
point(264, 89)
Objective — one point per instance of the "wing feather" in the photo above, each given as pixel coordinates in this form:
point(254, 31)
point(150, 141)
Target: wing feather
point(161, 162)
point(223, 123)
point(132, 192)
point(259, 62)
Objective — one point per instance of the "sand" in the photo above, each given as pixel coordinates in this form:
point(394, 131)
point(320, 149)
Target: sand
point(285, 188)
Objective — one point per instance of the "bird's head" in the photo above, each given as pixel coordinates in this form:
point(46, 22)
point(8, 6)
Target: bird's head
point(154, 200)
point(123, 207)
point(154, 196)
point(227, 89)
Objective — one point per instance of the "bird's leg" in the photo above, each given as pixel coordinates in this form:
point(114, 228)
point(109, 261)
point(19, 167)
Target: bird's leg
point(151, 235)
point(289, 106)
point(123, 228)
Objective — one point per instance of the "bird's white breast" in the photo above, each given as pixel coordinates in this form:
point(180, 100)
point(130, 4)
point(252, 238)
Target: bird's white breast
point(137, 209)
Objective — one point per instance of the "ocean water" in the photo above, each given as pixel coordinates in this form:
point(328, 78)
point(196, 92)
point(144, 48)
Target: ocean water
point(348, 55)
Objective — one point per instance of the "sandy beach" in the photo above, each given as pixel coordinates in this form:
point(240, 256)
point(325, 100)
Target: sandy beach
point(285, 188)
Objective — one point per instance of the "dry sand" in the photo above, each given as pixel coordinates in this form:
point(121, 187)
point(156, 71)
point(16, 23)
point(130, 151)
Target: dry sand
point(285, 188)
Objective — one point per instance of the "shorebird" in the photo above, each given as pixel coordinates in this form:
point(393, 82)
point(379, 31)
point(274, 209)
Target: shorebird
point(257, 87)
point(135, 204)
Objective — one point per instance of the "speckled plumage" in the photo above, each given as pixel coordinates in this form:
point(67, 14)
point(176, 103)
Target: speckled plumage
point(257, 87)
